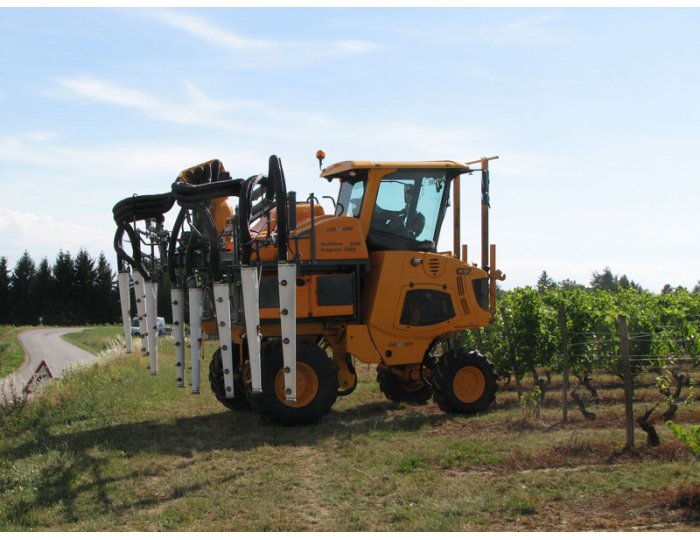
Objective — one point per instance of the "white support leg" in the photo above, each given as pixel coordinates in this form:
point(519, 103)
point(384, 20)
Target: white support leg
point(223, 319)
point(177, 297)
point(152, 322)
point(125, 303)
point(251, 309)
point(140, 294)
point(196, 296)
point(287, 278)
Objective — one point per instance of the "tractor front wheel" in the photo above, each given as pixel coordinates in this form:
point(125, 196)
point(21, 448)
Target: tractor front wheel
point(239, 401)
point(464, 382)
point(317, 385)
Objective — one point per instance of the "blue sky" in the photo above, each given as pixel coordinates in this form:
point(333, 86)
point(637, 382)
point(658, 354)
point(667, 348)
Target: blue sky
point(595, 114)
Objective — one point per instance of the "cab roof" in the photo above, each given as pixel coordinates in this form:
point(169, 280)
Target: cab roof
point(345, 166)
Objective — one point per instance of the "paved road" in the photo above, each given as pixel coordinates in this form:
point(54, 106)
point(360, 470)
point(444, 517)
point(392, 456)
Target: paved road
point(45, 344)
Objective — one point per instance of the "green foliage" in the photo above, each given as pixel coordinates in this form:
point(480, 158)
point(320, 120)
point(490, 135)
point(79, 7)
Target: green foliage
point(690, 437)
point(661, 327)
point(11, 353)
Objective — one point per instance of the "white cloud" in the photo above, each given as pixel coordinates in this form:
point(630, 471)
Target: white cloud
point(41, 235)
point(208, 32)
point(535, 29)
point(261, 52)
point(245, 117)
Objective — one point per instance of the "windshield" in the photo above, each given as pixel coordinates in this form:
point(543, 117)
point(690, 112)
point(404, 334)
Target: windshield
point(411, 205)
point(352, 191)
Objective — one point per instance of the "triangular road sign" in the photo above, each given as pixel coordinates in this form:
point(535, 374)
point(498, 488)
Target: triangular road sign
point(40, 376)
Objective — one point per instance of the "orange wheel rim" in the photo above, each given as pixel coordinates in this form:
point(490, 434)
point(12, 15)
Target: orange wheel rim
point(469, 384)
point(307, 386)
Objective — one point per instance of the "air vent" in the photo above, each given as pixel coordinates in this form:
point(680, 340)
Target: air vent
point(462, 295)
point(434, 266)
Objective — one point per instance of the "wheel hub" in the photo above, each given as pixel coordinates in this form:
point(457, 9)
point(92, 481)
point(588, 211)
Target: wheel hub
point(469, 384)
point(307, 386)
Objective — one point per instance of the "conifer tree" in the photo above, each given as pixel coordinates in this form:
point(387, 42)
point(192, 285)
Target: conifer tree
point(21, 283)
point(106, 298)
point(41, 291)
point(4, 292)
point(62, 305)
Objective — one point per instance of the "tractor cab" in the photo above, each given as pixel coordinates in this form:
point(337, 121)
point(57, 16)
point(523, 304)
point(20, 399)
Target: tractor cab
point(401, 205)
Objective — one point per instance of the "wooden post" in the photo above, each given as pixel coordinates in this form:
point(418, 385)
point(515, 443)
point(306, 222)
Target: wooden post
point(627, 374)
point(511, 352)
point(565, 365)
point(485, 204)
point(492, 281)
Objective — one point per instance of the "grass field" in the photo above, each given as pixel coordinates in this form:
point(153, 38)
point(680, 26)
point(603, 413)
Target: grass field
point(11, 353)
point(112, 448)
point(94, 339)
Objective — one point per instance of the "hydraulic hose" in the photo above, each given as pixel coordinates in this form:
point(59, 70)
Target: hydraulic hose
point(172, 245)
point(276, 174)
point(122, 255)
point(251, 189)
point(140, 207)
point(196, 193)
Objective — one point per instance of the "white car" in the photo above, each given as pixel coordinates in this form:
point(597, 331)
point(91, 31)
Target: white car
point(136, 329)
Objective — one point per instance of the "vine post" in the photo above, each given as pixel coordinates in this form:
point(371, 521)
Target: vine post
point(627, 375)
point(565, 364)
point(511, 352)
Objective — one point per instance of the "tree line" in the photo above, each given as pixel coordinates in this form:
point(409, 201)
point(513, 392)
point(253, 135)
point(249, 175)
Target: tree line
point(72, 290)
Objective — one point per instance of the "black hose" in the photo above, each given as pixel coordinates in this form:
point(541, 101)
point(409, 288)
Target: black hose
point(140, 207)
point(134, 261)
point(172, 246)
point(244, 218)
point(276, 175)
point(196, 193)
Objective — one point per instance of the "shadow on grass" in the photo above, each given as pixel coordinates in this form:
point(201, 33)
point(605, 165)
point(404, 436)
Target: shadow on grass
point(227, 430)
point(74, 463)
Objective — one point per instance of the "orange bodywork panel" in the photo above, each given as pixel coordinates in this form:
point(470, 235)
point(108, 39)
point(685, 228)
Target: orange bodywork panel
point(310, 302)
point(222, 212)
point(358, 342)
point(336, 238)
point(411, 297)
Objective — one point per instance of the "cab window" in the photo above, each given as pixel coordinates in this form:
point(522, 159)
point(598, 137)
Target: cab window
point(352, 191)
point(410, 205)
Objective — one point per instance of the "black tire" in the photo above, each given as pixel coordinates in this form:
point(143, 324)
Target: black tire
point(415, 392)
point(464, 382)
point(239, 402)
point(317, 385)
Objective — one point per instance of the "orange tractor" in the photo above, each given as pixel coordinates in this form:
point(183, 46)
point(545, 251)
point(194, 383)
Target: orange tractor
point(296, 296)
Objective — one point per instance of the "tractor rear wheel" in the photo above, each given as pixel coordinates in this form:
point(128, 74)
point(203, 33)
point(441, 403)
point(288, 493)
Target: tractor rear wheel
point(464, 382)
point(398, 390)
point(239, 402)
point(317, 385)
